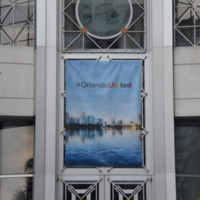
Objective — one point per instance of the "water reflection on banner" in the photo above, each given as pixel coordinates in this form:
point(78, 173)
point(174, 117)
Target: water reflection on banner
point(116, 147)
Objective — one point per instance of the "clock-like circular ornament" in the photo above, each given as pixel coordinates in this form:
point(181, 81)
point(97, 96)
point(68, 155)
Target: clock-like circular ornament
point(104, 19)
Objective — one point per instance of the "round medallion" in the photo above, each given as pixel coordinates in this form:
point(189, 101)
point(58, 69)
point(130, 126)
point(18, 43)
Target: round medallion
point(104, 19)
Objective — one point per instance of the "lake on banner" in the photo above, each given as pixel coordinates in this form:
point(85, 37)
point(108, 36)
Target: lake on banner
point(103, 147)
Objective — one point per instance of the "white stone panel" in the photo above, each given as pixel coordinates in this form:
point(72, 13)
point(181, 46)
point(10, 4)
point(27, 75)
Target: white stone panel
point(50, 110)
point(167, 23)
point(16, 107)
point(186, 55)
point(22, 55)
point(160, 186)
point(171, 185)
point(187, 107)
point(49, 188)
point(51, 22)
point(16, 81)
point(157, 23)
point(169, 110)
point(38, 179)
point(41, 25)
point(187, 81)
point(158, 110)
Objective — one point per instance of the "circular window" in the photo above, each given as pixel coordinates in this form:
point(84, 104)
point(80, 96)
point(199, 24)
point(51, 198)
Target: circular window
point(104, 19)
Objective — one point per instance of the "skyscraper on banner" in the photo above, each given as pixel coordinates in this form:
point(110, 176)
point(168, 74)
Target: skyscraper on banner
point(110, 121)
point(91, 119)
point(82, 118)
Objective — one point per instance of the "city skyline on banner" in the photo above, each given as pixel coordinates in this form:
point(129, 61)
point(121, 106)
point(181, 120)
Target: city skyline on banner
point(83, 119)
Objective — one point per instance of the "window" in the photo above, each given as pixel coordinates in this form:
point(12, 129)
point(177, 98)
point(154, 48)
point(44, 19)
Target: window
point(187, 139)
point(16, 159)
point(186, 23)
point(96, 26)
point(17, 22)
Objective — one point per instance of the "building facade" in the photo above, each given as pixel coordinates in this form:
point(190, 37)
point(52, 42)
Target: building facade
point(37, 38)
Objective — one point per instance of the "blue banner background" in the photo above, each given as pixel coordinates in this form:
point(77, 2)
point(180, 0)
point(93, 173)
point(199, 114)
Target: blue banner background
point(116, 145)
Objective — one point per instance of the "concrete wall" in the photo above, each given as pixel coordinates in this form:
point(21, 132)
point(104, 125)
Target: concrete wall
point(187, 81)
point(45, 134)
point(16, 81)
point(164, 185)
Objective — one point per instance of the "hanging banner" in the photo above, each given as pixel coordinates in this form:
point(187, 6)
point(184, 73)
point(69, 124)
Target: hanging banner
point(103, 114)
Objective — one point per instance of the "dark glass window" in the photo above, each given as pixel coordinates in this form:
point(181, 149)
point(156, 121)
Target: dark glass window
point(187, 149)
point(16, 158)
point(186, 23)
point(104, 21)
point(17, 24)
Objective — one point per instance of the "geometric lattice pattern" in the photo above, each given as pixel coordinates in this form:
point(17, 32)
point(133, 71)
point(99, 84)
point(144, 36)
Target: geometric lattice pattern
point(76, 41)
point(128, 190)
point(81, 190)
point(187, 22)
point(17, 22)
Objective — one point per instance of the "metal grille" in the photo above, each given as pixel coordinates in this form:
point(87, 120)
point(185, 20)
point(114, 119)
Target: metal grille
point(186, 22)
point(76, 41)
point(88, 190)
point(135, 190)
point(17, 22)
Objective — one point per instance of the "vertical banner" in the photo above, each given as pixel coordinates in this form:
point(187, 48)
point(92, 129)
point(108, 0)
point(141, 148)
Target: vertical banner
point(103, 114)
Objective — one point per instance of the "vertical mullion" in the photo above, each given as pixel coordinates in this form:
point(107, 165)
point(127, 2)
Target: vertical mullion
point(143, 188)
point(65, 192)
point(28, 36)
point(124, 41)
point(13, 42)
point(0, 23)
point(135, 197)
point(194, 27)
point(88, 197)
point(145, 24)
point(120, 196)
point(83, 42)
point(143, 152)
point(73, 197)
point(96, 193)
point(63, 25)
point(34, 24)
point(174, 23)
point(142, 87)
